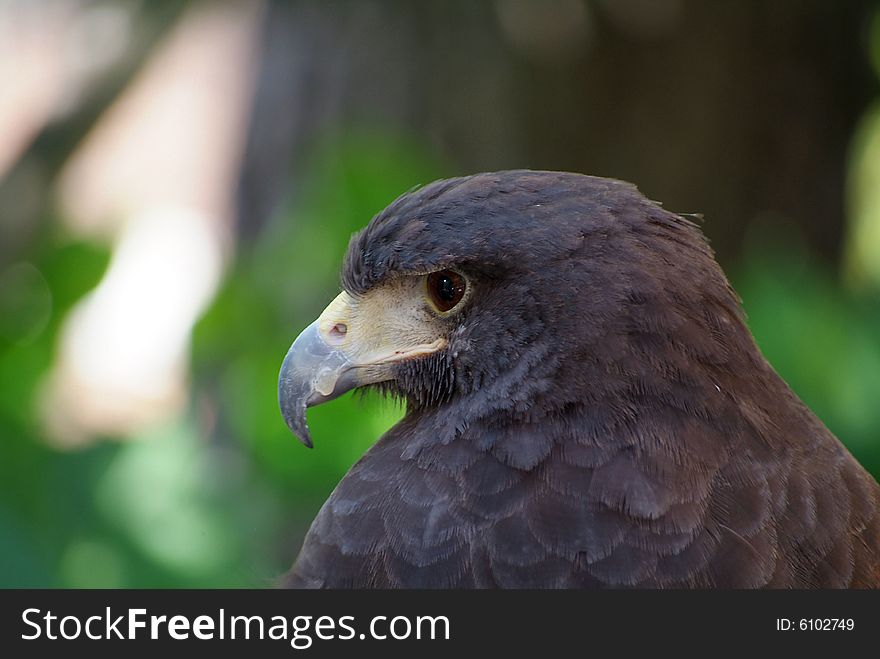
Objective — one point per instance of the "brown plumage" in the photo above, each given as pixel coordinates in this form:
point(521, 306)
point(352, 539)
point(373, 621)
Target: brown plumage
point(599, 414)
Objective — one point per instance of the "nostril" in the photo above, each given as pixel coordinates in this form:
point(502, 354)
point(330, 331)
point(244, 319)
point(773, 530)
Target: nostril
point(338, 332)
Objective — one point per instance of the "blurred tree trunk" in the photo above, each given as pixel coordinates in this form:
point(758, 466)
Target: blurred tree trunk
point(730, 109)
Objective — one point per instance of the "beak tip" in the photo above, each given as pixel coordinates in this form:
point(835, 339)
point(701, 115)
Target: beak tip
point(301, 431)
point(293, 410)
point(305, 440)
point(296, 421)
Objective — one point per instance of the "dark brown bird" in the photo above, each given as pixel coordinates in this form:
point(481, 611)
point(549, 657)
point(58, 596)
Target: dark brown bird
point(586, 407)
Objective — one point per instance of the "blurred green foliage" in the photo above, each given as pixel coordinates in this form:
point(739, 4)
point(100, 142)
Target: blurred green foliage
point(40, 502)
point(823, 339)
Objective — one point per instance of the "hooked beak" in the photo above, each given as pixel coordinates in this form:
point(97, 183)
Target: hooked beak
point(348, 346)
point(312, 373)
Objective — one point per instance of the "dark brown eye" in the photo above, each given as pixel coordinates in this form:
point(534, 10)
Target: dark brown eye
point(446, 288)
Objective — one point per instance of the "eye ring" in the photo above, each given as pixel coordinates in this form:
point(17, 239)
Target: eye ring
point(446, 289)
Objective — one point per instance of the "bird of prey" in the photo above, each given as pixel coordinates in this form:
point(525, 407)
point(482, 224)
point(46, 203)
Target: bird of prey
point(585, 407)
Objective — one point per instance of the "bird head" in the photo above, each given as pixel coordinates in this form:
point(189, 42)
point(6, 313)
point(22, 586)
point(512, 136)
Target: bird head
point(492, 293)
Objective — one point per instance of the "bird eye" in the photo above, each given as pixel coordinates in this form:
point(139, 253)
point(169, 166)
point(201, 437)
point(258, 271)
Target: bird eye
point(446, 288)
